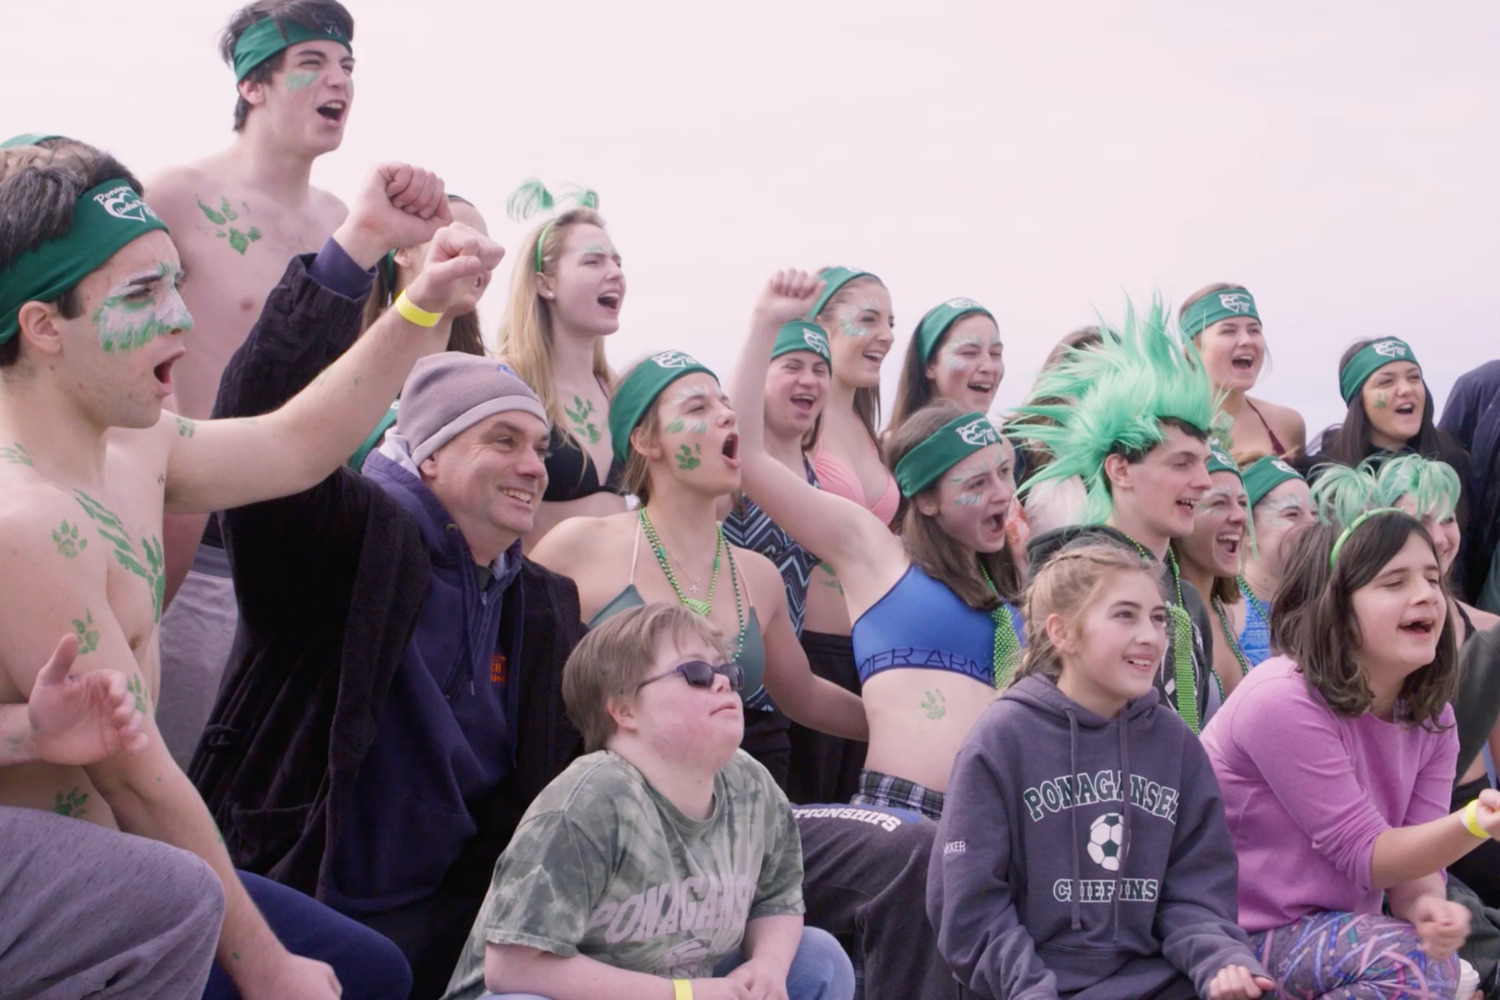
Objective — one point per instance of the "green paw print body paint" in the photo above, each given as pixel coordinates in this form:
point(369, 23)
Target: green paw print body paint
point(137, 687)
point(223, 217)
point(934, 704)
point(67, 541)
point(152, 570)
point(186, 428)
point(15, 454)
point(88, 636)
point(578, 416)
point(688, 458)
point(72, 804)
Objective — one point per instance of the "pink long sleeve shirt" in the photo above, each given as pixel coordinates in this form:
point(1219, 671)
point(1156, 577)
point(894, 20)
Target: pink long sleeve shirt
point(1307, 791)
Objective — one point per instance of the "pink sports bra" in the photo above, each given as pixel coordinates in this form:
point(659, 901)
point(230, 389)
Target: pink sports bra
point(837, 477)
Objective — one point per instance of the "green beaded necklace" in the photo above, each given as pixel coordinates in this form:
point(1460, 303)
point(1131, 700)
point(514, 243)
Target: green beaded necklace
point(1260, 609)
point(1007, 648)
point(699, 607)
point(1182, 643)
point(1234, 642)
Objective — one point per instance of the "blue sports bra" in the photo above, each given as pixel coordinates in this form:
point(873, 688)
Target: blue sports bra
point(922, 624)
point(1255, 637)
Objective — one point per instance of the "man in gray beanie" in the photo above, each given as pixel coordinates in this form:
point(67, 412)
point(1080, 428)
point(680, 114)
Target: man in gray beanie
point(393, 702)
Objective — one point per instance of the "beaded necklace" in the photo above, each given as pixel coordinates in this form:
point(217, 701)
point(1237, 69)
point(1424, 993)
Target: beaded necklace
point(1182, 644)
point(701, 608)
point(1007, 649)
point(1234, 642)
point(1260, 609)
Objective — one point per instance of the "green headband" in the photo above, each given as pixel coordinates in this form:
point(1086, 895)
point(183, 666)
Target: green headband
point(105, 219)
point(639, 390)
point(533, 197)
point(1265, 475)
point(1219, 460)
point(26, 139)
point(1370, 359)
point(952, 443)
point(802, 335)
point(939, 319)
point(1338, 546)
point(1231, 303)
point(265, 38)
point(836, 278)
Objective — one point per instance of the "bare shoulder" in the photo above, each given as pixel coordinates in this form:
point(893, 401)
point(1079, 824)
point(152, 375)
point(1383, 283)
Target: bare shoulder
point(174, 189)
point(329, 208)
point(1284, 418)
point(578, 541)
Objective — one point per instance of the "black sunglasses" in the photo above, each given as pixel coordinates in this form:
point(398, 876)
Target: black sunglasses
point(701, 675)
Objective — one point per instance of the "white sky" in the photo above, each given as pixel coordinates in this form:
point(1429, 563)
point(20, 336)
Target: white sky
point(1339, 158)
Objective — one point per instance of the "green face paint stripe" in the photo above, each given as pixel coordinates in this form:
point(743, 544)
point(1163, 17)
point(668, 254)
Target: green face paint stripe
point(296, 81)
point(67, 541)
point(676, 427)
point(88, 637)
point(73, 804)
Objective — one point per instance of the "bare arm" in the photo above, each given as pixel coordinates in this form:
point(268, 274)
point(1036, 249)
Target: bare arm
point(866, 556)
point(1409, 854)
point(769, 945)
point(71, 720)
point(552, 513)
point(510, 968)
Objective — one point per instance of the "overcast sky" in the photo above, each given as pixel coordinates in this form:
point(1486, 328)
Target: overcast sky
point(1339, 158)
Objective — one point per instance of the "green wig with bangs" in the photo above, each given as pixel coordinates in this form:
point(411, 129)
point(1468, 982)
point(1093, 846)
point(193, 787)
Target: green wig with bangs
point(1112, 397)
point(1432, 486)
point(1341, 493)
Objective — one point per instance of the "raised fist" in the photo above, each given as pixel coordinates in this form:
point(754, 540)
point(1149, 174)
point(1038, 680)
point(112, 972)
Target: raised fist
point(456, 259)
point(398, 206)
point(788, 295)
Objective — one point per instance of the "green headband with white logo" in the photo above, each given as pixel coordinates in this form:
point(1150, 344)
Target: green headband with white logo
point(27, 139)
point(1231, 303)
point(105, 219)
point(1265, 475)
point(638, 392)
point(1220, 460)
point(265, 38)
point(939, 319)
point(952, 443)
point(835, 278)
point(802, 335)
point(1370, 359)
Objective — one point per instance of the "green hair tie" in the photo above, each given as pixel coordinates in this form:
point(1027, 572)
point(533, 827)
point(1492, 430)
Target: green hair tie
point(802, 335)
point(1265, 474)
point(27, 139)
point(1230, 303)
point(1370, 359)
point(265, 38)
point(105, 219)
point(939, 319)
point(835, 278)
point(533, 197)
point(1338, 546)
point(639, 390)
point(950, 444)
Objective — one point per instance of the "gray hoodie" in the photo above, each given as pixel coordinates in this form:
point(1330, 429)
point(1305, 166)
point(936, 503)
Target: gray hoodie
point(1044, 884)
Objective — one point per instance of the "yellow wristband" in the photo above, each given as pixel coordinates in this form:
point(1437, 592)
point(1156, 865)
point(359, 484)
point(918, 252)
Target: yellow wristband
point(415, 314)
point(1471, 820)
point(682, 990)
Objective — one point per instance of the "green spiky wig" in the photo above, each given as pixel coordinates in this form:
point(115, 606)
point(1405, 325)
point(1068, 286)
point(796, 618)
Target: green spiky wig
point(1112, 397)
point(1340, 494)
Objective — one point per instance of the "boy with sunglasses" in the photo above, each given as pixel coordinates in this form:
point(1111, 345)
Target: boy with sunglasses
point(663, 865)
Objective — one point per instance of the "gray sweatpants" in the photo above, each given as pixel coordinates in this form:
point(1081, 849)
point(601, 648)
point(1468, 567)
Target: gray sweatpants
point(89, 912)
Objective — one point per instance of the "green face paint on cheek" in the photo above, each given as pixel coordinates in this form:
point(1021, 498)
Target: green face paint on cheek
point(133, 317)
point(297, 81)
point(1382, 400)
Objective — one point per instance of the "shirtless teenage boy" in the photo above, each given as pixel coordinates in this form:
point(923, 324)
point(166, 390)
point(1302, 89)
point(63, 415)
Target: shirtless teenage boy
point(237, 217)
point(91, 326)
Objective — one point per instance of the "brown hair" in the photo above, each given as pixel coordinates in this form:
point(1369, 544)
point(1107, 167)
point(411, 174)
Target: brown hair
point(314, 15)
point(1313, 619)
point(38, 189)
point(928, 545)
point(525, 340)
point(1349, 443)
point(463, 337)
point(612, 660)
point(1065, 585)
point(866, 401)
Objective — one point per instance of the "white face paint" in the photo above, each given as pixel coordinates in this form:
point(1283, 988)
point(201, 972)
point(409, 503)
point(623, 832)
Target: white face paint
point(144, 306)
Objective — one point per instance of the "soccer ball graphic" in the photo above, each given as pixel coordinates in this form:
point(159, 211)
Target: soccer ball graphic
point(1107, 841)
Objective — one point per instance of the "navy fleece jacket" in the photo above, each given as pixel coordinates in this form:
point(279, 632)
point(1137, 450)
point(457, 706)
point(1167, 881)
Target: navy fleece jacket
point(1083, 854)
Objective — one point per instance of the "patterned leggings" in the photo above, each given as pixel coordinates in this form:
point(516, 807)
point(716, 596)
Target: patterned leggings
point(1352, 956)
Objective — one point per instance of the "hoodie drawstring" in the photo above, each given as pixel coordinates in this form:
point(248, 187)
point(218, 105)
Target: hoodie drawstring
point(1125, 790)
point(1073, 816)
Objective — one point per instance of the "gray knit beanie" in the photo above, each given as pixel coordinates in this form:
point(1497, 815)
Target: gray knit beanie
point(448, 393)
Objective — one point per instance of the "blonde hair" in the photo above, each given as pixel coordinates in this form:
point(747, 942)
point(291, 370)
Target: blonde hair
point(866, 401)
point(525, 339)
point(1065, 585)
point(613, 659)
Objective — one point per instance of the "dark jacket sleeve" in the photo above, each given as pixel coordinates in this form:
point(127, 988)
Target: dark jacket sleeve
point(1461, 412)
point(1197, 908)
point(971, 891)
point(285, 551)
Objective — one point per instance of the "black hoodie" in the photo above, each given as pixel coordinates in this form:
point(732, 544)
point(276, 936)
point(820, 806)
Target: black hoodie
point(1045, 885)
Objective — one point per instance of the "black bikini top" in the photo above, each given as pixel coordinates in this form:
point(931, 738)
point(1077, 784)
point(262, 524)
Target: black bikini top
point(571, 474)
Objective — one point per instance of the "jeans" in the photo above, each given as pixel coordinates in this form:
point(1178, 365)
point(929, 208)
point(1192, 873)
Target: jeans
point(820, 971)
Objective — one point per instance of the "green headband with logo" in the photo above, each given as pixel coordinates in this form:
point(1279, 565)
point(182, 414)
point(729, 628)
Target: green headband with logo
point(1265, 474)
point(533, 197)
point(1231, 303)
point(265, 38)
point(939, 319)
point(639, 391)
point(1370, 359)
point(1220, 460)
point(27, 139)
point(1347, 533)
point(952, 443)
point(105, 219)
point(835, 278)
point(802, 335)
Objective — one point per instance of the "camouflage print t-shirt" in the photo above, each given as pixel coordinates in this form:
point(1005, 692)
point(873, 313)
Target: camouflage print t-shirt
point(603, 865)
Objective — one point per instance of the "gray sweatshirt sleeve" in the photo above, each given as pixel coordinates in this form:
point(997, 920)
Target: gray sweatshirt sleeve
point(970, 890)
point(1197, 909)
